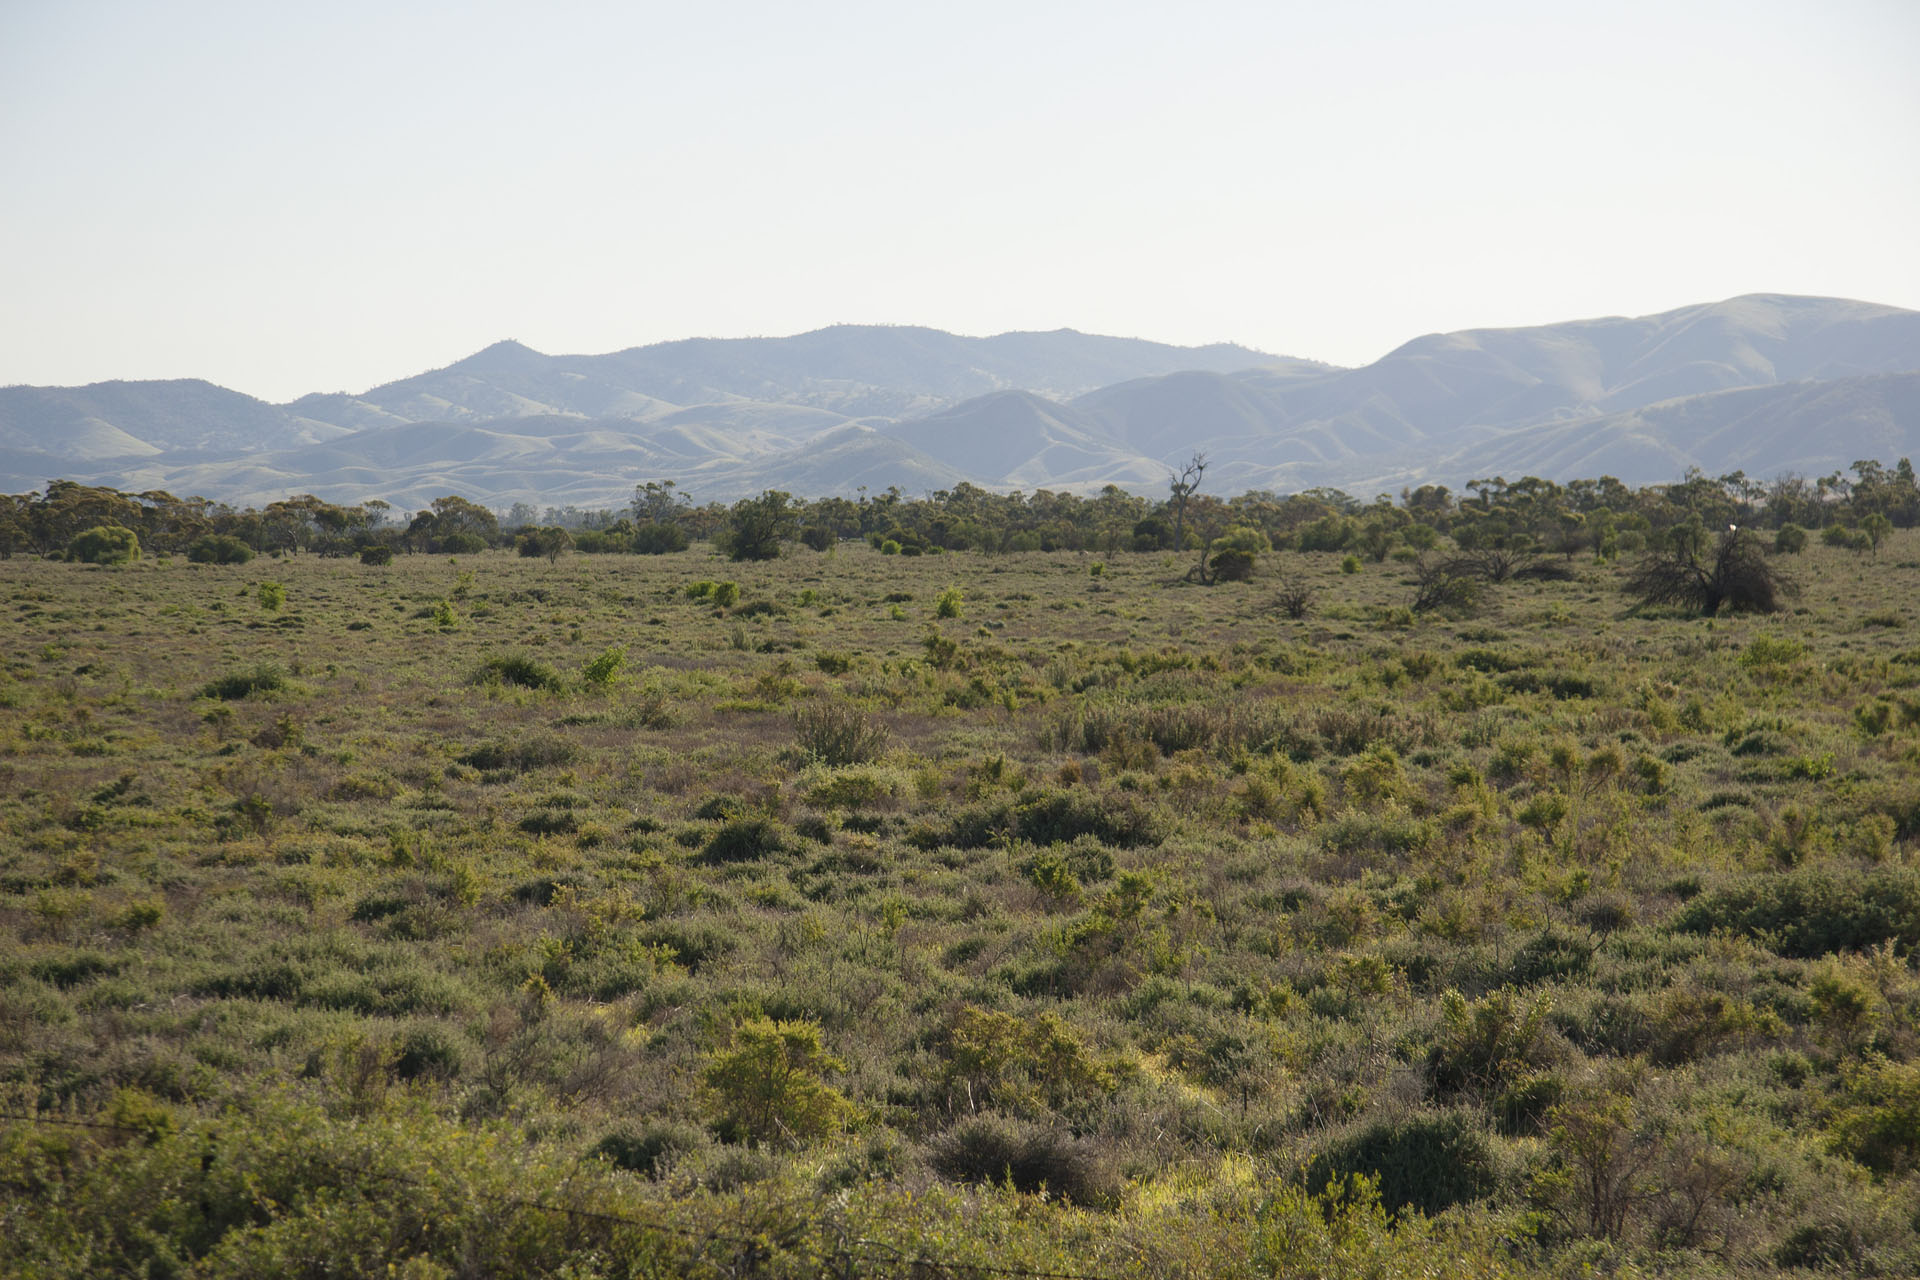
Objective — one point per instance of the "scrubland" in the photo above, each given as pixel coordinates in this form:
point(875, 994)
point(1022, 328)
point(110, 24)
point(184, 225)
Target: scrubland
point(879, 915)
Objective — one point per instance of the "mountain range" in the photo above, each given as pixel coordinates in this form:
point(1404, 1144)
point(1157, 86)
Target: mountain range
point(1763, 383)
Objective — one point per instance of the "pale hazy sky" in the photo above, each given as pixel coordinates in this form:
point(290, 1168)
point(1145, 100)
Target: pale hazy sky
point(291, 197)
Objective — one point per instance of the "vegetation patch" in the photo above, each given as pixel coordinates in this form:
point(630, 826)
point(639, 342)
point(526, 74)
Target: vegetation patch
point(1119, 923)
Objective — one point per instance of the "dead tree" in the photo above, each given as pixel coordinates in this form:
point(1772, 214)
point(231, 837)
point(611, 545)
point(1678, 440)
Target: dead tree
point(1181, 489)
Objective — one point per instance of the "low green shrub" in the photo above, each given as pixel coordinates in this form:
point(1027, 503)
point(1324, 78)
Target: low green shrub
point(1811, 912)
point(853, 787)
point(219, 548)
point(605, 669)
point(429, 1051)
point(752, 839)
point(519, 669)
point(1425, 1161)
point(104, 544)
point(765, 1086)
point(261, 678)
point(649, 1150)
point(1484, 1045)
point(659, 538)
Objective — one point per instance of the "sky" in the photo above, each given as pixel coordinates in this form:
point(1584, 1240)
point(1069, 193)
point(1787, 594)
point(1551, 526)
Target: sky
point(293, 197)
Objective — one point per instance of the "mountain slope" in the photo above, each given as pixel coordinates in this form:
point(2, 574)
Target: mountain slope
point(1020, 440)
point(851, 370)
point(1436, 386)
point(1763, 383)
point(1759, 430)
point(139, 419)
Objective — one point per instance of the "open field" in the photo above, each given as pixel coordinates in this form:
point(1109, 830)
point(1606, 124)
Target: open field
point(480, 915)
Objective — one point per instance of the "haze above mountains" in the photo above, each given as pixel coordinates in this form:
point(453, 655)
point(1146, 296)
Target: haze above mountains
point(1763, 383)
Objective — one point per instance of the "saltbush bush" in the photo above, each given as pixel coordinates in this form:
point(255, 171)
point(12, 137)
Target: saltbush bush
point(1029, 1157)
point(219, 548)
point(519, 669)
point(837, 734)
point(748, 840)
point(263, 677)
point(1424, 1161)
point(104, 544)
point(540, 751)
point(1812, 912)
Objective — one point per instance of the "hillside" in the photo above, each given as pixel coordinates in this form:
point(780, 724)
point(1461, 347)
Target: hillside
point(1764, 383)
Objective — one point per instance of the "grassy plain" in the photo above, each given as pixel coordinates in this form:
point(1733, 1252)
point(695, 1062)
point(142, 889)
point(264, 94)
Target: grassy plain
point(1105, 925)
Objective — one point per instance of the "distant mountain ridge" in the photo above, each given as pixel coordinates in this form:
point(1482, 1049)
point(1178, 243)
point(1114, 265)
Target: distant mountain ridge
point(1764, 383)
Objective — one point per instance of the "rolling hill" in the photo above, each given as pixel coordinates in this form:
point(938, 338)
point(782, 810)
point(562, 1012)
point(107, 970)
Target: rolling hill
point(1763, 383)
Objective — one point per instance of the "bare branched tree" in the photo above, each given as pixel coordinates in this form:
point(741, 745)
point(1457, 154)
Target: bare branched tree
point(1445, 586)
point(1734, 575)
point(1181, 489)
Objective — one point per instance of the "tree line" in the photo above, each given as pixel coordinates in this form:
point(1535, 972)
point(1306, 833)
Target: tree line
point(1602, 517)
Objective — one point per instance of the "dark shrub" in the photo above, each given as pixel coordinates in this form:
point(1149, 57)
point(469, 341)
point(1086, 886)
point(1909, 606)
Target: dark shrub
point(1152, 534)
point(1438, 588)
point(1550, 955)
point(1484, 1045)
point(694, 943)
point(543, 751)
point(757, 526)
point(550, 822)
point(1524, 1106)
point(540, 890)
point(460, 544)
point(1734, 576)
point(429, 1052)
point(264, 677)
point(549, 541)
point(520, 669)
point(1811, 913)
point(1294, 598)
point(1832, 1244)
point(1120, 819)
point(649, 1150)
point(218, 548)
point(73, 968)
point(1232, 566)
point(747, 840)
point(818, 537)
point(721, 808)
point(975, 827)
point(992, 1149)
point(1425, 1161)
point(377, 554)
point(656, 538)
